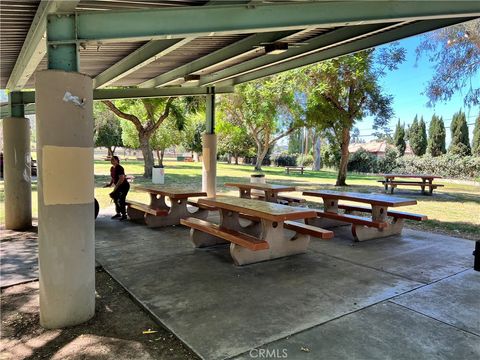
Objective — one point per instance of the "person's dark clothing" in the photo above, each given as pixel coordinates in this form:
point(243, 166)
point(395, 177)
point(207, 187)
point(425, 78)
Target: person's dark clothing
point(116, 172)
point(119, 196)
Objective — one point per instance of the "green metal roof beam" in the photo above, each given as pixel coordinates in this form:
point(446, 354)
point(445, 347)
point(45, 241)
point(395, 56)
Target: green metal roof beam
point(28, 97)
point(362, 44)
point(154, 24)
point(333, 38)
point(151, 51)
point(133, 93)
point(226, 53)
point(34, 46)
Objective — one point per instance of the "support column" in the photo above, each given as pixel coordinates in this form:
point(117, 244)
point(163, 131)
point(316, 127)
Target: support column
point(17, 172)
point(65, 197)
point(209, 153)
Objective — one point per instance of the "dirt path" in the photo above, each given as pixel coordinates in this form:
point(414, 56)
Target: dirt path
point(116, 331)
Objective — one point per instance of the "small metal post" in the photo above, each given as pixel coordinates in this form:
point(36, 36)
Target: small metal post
point(476, 254)
point(210, 111)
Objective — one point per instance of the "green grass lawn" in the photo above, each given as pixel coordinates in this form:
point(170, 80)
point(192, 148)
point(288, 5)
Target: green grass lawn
point(453, 209)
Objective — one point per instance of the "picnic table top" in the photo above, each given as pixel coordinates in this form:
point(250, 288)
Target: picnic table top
point(174, 192)
point(416, 176)
point(374, 199)
point(261, 209)
point(260, 186)
point(294, 167)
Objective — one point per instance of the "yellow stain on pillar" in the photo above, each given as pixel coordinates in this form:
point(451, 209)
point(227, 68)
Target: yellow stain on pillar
point(67, 175)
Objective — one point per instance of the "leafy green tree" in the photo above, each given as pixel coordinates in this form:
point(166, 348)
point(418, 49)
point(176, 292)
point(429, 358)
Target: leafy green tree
point(268, 110)
point(233, 139)
point(107, 131)
point(342, 91)
point(194, 128)
point(147, 115)
point(417, 136)
point(476, 138)
point(460, 143)
point(166, 136)
point(436, 137)
point(399, 138)
point(295, 142)
point(455, 53)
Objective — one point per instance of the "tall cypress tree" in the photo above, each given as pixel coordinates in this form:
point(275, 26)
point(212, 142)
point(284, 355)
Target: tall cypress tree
point(399, 138)
point(476, 138)
point(436, 137)
point(460, 144)
point(418, 137)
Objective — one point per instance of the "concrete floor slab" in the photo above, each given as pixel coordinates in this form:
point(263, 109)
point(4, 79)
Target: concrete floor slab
point(123, 243)
point(18, 258)
point(383, 331)
point(416, 255)
point(220, 310)
point(454, 300)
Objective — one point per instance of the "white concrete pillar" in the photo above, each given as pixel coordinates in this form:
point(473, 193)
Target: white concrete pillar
point(65, 197)
point(17, 173)
point(209, 168)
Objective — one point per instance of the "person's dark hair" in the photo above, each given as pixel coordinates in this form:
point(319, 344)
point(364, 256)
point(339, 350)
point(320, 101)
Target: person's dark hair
point(116, 158)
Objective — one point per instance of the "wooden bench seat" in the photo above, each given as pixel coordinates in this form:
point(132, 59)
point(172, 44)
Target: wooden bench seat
point(146, 208)
point(294, 168)
point(308, 229)
point(392, 213)
point(195, 203)
point(239, 238)
point(290, 199)
point(353, 219)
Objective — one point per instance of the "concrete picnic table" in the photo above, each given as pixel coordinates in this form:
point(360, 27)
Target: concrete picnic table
point(426, 181)
point(271, 233)
point(363, 228)
point(158, 213)
point(270, 190)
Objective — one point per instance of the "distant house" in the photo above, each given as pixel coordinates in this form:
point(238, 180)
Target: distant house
point(376, 148)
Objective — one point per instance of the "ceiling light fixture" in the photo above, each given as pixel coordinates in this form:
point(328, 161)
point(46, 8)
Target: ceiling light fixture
point(276, 48)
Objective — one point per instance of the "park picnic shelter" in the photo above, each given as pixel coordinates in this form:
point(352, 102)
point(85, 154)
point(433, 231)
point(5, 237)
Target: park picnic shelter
point(57, 57)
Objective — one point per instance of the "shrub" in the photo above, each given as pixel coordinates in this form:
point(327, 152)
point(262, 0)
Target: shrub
point(330, 156)
point(389, 162)
point(305, 160)
point(285, 159)
point(252, 160)
point(448, 165)
point(362, 161)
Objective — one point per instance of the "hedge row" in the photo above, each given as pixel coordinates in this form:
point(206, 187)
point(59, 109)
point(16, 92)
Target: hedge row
point(448, 165)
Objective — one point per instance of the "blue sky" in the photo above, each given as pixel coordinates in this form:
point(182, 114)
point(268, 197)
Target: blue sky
point(407, 85)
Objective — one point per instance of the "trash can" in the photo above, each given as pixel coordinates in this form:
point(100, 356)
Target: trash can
point(158, 175)
point(257, 179)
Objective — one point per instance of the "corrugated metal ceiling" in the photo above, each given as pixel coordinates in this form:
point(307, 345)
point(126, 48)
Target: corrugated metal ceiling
point(16, 17)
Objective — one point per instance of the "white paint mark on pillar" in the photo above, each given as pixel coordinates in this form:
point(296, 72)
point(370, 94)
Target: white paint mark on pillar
point(67, 175)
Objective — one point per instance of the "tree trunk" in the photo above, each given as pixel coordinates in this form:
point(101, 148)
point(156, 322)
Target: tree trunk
point(236, 159)
point(162, 154)
point(110, 152)
point(317, 159)
point(158, 157)
point(342, 170)
point(260, 156)
point(229, 160)
point(147, 156)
